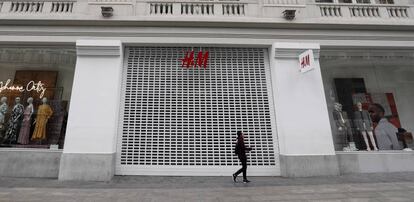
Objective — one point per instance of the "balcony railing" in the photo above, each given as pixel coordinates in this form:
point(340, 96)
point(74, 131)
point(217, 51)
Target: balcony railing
point(161, 9)
point(26, 7)
point(197, 9)
point(330, 11)
point(372, 10)
point(36, 7)
point(62, 7)
point(364, 11)
point(397, 12)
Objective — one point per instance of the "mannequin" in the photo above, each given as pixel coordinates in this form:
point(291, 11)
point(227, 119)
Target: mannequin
point(43, 114)
point(363, 124)
point(343, 126)
point(3, 111)
point(26, 123)
point(15, 121)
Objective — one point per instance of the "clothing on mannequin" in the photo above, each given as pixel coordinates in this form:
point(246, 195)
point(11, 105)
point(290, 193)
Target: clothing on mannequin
point(363, 124)
point(24, 134)
point(343, 126)
point(44, 112)
point(3, 110)
point(14, 121)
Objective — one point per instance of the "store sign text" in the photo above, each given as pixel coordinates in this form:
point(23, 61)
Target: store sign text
point(189, 61)
point(39, 87)
point(306, 61)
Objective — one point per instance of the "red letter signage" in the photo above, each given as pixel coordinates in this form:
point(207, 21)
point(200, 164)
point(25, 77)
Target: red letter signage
point(306, 61)
point(200, 61)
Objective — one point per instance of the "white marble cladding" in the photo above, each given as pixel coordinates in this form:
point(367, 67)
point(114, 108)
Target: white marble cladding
point(379, 11)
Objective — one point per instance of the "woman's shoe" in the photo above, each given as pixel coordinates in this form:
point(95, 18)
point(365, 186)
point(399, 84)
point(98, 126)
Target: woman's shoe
point(246, 181)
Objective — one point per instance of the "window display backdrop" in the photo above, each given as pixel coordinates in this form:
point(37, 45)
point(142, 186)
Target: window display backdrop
point(32, 113)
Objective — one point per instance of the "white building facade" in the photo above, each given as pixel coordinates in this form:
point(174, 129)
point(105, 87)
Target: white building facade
point(162, 87)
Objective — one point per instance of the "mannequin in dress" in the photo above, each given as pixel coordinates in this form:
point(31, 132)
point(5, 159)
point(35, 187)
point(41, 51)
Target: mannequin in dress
point(3, 111)
point(14, 122)
point(26, 123)
point(363, 124)
point(43, 114)
point(343, 126)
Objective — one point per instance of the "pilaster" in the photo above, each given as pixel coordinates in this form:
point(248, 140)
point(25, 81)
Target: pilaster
point(90, 143)
point(303, 127)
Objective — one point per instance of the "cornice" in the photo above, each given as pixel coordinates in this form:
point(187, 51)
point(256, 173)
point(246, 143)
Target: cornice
point(98, 47)
point(366, 54)
point(293, 50)
point(265, 23)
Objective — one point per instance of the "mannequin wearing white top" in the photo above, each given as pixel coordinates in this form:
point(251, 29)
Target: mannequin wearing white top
point(3, 109)
point(364, 125)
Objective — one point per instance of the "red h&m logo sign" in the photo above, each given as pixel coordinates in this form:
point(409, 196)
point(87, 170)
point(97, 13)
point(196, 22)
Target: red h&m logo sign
point(306, 61)
point(190, 62)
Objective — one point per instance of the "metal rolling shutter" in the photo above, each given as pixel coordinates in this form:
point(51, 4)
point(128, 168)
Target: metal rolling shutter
point(183, 121)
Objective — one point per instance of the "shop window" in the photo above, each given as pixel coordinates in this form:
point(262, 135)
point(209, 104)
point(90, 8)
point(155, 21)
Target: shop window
point(370, 106)
point(34, 101)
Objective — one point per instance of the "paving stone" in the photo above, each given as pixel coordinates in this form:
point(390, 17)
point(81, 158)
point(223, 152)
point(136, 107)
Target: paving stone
point(348, 188)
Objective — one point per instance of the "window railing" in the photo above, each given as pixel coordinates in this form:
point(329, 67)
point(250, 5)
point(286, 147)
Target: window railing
point(328, 9)
point(62, 7)
point(364, 11)
point(197, 9)
point(233, 9)
point(26, 7)
point(397, 12)
point(161, 8)
point(37, 7)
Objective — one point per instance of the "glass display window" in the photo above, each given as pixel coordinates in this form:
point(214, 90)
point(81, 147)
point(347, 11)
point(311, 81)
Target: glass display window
point(35, 89)
point(369, 101)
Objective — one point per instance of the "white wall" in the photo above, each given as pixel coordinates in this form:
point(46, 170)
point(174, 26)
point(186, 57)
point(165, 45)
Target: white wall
point(93, 116)
point(301, 113)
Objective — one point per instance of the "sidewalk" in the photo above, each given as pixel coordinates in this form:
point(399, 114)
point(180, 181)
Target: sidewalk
point(361, 187)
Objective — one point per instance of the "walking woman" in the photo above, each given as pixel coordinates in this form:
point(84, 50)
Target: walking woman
point(240, 150)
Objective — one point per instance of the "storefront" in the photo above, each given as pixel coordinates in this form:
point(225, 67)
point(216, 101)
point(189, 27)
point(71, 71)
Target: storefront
point(174, 110)
point(94, 89)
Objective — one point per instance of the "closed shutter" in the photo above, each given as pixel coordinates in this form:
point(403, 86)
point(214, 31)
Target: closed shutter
point(183, 121)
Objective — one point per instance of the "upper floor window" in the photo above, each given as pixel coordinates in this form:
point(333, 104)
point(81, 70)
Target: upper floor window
point(356, 1)
point(384, 1)
point(363, 1)
point(324, 1)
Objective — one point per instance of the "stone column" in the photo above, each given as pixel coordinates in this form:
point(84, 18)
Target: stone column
point(90, 144)
point(303, 127)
